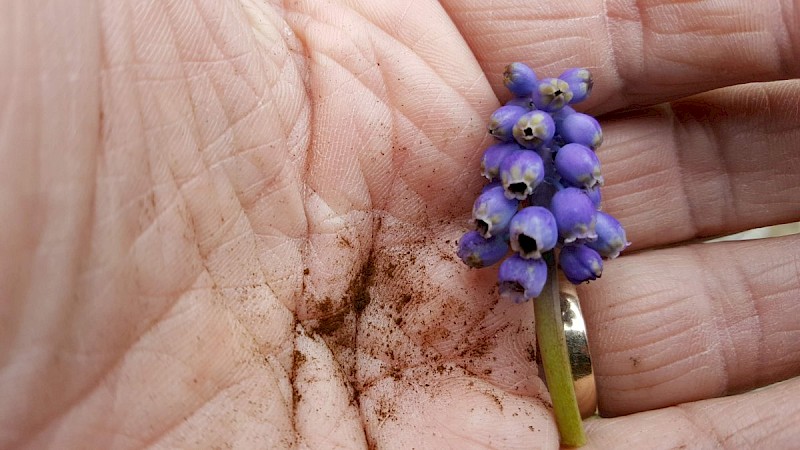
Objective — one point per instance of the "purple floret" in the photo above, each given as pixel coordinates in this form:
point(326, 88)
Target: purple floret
point(492, 212)
point(551, 94)
point(561, 114)
point(611, 239)
point(533, 231)
point(522, 279)
point(580, 82)
point(581, 129)
point(575, 215)
point(502, 121)
point(520, 79)
point(595, 195)
point(580, 263)
point(520, 172)
point(523, 102)
point(477, 251)
point(578, 166)
point(493, 156)
point(534, 129)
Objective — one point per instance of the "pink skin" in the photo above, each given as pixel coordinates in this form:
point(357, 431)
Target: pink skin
point(199, 197)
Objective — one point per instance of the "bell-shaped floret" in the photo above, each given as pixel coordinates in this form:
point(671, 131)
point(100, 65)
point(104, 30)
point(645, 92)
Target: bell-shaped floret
point(477, 251)
point(575, 215)
point(521, 279)
point(533, 231)
point(611, 238)
point(580, 263)
point(492, 212)
point(578, 166)
point(520, 172)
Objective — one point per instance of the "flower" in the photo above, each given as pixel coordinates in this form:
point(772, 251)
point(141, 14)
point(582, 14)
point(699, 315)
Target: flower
point(546, 165)
point(492, 212)
point(533, 231)
point(582, 129)
point(534, 129)
point(477, 251)
point(551, 94)
point(520, 172)
point(575, 215)
point(503, 120)
point(595, 195)
point(493, 156)
point(521, 279)
point(578, 165)
point(520, 79)
point(580, 263)
point(611, 238)
point(580, 83)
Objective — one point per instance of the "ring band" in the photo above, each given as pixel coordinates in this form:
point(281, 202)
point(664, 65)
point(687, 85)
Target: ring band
point(578, 347)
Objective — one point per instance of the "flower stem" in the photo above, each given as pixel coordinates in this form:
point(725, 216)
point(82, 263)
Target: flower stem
point(555, 359)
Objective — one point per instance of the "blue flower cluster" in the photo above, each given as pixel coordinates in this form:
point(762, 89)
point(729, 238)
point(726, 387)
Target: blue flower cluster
point(544, 187)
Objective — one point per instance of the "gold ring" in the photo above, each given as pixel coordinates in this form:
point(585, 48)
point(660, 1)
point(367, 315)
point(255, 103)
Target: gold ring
point(578, 347)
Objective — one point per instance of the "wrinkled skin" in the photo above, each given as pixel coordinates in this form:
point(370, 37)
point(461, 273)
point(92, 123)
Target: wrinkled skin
point(233, 224)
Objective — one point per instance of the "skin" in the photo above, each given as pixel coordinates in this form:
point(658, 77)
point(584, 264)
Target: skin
point(233, 224)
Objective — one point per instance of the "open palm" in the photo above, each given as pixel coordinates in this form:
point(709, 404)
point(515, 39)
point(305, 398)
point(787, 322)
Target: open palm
point(233, 223)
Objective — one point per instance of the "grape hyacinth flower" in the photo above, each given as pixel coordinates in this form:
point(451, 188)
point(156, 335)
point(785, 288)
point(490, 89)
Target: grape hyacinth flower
point(493, 157)
point(580, 83)
point(521, 279)
point(502, 121)
point(520, 79)
point(477, 251)
point(596, 196)
point(534, 129)
point(543, 195)
point(578, 166)
point(580, 263)
point(580, 128)
point(522, 102)
point(543, 201)
point(551, 95)
point(611, 238)
point(492, 212)
point(575, 215)
point(561, 114)
point(533, 231)
point(520, 172)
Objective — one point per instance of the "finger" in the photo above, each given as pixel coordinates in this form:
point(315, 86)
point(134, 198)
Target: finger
point(717, 163)
point(690, 323)
point(766, 418)
point(641, 52)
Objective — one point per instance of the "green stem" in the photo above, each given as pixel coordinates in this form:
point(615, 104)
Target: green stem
point(555, 359)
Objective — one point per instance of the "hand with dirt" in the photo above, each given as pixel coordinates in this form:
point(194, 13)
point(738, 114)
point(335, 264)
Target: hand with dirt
point(233, 224)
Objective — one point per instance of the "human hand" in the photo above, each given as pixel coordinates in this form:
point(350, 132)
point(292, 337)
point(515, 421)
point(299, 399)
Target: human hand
point(234, 224)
